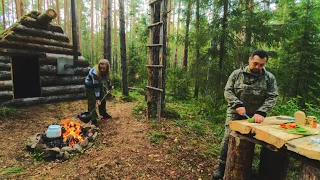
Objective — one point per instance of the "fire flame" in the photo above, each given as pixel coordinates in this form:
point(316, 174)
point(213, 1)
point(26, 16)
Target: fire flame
point(72, 134)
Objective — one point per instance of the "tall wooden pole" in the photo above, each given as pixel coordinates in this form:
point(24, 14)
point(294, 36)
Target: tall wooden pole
point(74, 32)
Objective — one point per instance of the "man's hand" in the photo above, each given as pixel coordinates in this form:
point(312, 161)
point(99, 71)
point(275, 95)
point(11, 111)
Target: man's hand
point(98, 103)
point(241, 110)
point(258, 118)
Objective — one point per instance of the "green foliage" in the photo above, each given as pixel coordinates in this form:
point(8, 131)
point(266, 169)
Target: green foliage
point(178, 84)
point(115, 80)
point(139, 111)
point(7, 111)
point(12, 170)
point(155, 136)
point(37, 155)
point(171, 113)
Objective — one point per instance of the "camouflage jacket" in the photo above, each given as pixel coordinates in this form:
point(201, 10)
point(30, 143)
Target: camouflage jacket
point(257, 92)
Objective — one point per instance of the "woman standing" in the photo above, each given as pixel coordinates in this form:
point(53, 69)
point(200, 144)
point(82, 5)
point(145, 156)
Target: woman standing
point(95, 82)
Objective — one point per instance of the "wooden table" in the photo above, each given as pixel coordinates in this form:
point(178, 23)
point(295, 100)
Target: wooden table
point(277, 147)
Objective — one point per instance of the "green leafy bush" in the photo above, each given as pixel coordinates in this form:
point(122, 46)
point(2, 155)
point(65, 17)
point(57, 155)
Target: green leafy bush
point(7, 111)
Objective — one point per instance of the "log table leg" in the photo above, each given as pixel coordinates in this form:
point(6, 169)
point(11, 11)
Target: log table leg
point(309, 173)
point(239, 158)
point(273, 165)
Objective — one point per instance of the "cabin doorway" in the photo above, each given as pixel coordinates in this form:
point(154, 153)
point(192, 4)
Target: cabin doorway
point(26, 78)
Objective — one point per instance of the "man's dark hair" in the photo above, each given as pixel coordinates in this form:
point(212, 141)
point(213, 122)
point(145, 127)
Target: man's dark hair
point(261, 53)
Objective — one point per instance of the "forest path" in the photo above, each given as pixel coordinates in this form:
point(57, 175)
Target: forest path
point(121, 151)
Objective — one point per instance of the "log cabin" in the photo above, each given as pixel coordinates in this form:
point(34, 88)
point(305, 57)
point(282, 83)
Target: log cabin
point(34, 53)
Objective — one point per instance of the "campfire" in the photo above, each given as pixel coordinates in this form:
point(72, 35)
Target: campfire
point(61, 140)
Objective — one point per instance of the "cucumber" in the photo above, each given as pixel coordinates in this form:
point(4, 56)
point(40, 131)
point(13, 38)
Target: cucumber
point(251, 120)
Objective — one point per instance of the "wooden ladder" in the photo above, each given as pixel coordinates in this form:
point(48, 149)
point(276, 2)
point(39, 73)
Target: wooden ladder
point(155, 60)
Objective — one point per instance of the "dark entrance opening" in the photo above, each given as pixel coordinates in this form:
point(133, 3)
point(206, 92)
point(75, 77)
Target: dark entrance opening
point(26, 78)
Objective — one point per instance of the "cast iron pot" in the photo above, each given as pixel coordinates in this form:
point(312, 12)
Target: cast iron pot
point(85, 117)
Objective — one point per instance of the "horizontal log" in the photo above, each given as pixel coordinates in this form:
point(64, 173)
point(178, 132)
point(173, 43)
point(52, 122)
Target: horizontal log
point(20, 52)
point(61, 80)
point(46, 17)
point(43, 100)
point(53, 61)
point(47, 70)
point(6, 95)
point(4, 59)
point(51, 55)
point(41, 33)
point(32, 23)
point(35, 47)
point(5, 75)
point(59, 90)
point(37, 40)
point(5, 66)
point(6, 85)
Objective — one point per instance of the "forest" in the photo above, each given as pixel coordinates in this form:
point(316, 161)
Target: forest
point(206, 40)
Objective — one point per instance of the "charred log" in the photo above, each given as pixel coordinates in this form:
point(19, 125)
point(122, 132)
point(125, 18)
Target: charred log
point(41, 33)
point(16, 52)
point(32, 23)
point(5, 66)
point(46, 17)
point(60, 81)
point(59, 90)
point(5, 75)
point(37, 47)
point(47, 70)
point(43, 100)
point(6, 85)
point(37, 40)
point(6, 95)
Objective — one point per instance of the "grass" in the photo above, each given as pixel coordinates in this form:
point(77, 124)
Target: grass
point(155, 136)
point(12, 170)
point(7, 111)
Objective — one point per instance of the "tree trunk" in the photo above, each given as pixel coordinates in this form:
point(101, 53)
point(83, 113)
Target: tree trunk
point(108, 55)
point(309, 173)
point(123, 52)
point(17, 2)
point(186, 42)
point(239, 158)
point(40, 5)
point(58, 12)
point(273, 165)
point(176, 53)
point(164, 57)
point(65, 16)
point(196, 88)
point(80, 23)
point(223, 52)
point(91, 33)
point(115, 38)
point(3, 15)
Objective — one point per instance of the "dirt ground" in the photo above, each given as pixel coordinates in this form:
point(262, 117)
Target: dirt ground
point(122, 150)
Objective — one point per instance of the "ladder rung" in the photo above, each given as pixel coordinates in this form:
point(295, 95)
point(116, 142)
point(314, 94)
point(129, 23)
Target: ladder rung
point(154, 66)
point(155, 45)
point(154, 1)
point(155, 24)
point(153, 88)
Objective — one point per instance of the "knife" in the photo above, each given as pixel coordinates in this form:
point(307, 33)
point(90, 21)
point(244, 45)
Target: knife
point(246, 115)
point(286, 118)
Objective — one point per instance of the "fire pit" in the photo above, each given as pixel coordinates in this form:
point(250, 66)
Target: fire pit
point(74, 138)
